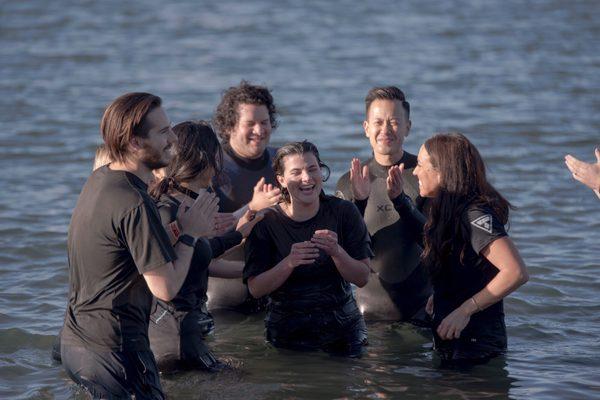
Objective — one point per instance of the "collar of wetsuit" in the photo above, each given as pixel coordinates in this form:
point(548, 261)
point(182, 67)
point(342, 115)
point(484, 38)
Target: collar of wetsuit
point(247, 163)
point(381, 171)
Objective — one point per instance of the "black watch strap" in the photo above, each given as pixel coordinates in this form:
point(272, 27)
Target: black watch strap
point(187, 240)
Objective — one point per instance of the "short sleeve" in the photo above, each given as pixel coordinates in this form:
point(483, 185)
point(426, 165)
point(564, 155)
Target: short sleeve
point(146, 238)
point(485, 228)
point(258, 251)
point(355, 236)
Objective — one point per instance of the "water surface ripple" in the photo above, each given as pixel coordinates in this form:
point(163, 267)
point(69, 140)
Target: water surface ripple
point(520, 78)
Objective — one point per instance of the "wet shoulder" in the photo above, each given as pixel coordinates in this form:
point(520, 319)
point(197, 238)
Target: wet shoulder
point(125, 189)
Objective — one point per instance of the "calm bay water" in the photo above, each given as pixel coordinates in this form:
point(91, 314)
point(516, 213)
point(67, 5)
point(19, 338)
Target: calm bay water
point(520, 78)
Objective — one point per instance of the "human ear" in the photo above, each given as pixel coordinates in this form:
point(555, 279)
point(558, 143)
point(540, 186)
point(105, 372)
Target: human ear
point(281, 180)
point(366, 127)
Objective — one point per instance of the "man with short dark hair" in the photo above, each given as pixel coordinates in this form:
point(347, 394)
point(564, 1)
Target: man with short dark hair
point(120, 255)
point(244, 119)
point(401, 286)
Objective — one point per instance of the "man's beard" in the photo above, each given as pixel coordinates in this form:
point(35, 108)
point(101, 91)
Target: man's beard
point(154, 159)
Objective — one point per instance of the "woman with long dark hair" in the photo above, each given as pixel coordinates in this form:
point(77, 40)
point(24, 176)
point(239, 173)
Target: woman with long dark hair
point(304, 255)
point(177, 327)
point(472, 261)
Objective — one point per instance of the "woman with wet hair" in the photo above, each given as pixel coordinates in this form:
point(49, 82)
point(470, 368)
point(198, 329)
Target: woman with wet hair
point(472, 261)
point(177, 327)
point(304, 255)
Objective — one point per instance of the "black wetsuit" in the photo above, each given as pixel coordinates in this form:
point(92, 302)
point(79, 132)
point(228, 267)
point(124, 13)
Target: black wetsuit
point(314, 308)
point(485, 334)
point(177, 327)
point(235, 186)
point(396, 261)
point(114, 237)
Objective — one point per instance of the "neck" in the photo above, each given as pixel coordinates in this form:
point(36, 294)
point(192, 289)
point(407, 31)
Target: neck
point(135, 167)
point(388, 159)
point(300, 211)
point(243, 153)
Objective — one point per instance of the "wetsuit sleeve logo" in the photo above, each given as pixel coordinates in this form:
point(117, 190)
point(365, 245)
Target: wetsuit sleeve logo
point(484, 223)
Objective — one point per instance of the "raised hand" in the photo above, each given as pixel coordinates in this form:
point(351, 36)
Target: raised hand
point(394, 181)
point(302, 253)
point(588, 174)
point(327, 241)
point(359, 180)
point(224, 222)
point(265, 195)
point(248, 221)
point(198, 218)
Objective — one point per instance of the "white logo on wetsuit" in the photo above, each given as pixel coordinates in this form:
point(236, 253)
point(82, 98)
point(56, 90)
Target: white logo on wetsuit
point(484, 222)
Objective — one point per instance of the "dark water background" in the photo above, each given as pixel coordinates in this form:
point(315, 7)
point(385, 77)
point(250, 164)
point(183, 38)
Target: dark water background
point(520, 78)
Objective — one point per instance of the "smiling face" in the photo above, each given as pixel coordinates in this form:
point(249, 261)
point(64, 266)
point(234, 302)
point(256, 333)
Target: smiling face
point(387, 126)
point(250, 136)
point(156, 150)
point(429, 177)
point(302, 178)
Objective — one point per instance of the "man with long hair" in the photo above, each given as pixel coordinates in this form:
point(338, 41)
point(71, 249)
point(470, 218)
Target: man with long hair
point(120, 255)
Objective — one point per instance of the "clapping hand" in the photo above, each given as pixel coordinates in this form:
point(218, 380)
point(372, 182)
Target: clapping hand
point(395, 183)
point(224, 222)
point(586, 173)
point(198, 218)
point(327, 241)
point(359, 179)
point(265, 195)
point(302, 253)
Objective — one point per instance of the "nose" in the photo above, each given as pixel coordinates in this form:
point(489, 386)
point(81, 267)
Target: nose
point(258, 129)
point(305, 176)
point(415, 170)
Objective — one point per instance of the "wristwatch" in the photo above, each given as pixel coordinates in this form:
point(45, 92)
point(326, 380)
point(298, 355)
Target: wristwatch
point(187, 240)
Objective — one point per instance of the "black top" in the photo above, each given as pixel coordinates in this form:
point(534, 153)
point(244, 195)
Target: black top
point(114, 237)
point(396, 252)
point(458, 281)
point(192, 294)
point(235, 183)
point(314, 286)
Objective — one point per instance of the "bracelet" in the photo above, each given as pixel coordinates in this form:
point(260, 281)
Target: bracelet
point(476, 305)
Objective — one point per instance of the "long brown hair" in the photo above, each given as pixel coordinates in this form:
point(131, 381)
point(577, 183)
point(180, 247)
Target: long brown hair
point(463, 183)
point(123, 119)
point(196, 150)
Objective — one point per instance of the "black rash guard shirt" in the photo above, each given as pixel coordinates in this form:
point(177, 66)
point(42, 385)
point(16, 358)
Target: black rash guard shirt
point(318, 285)
point(114, 237)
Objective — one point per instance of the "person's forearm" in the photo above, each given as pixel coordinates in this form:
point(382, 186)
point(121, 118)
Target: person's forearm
point(221, 244)
point(504, 283)
point(226, 269)
point(181, 267)
point(269, 281)
point(240, 212)
point(353, 271)
point(414, 219)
